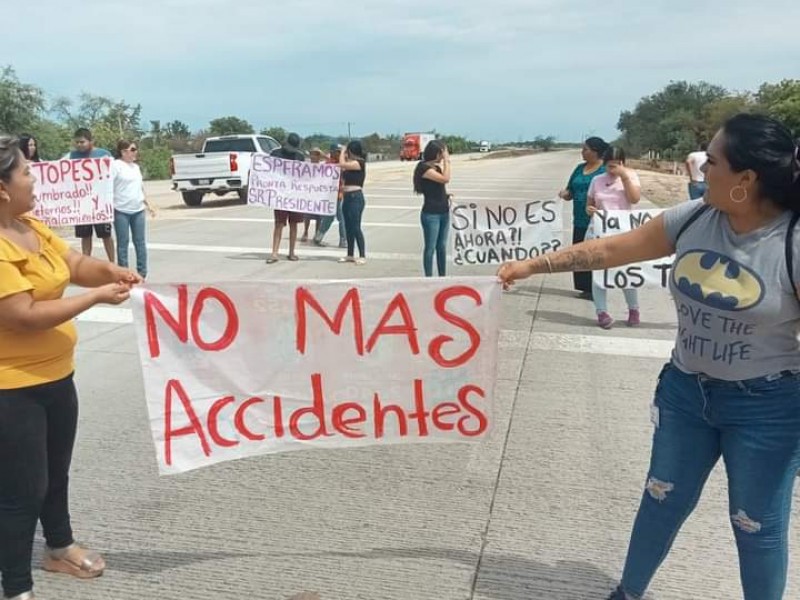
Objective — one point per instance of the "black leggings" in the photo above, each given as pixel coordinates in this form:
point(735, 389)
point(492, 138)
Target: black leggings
point(37, 433)
point(581, 280)
point(352, 210)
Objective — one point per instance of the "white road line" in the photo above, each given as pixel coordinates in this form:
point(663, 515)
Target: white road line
point(268, 220)
point(302, 251)
point(600, 344)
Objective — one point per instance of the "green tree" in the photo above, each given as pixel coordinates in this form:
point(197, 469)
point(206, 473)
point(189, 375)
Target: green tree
point(229, 126)
point(278, 133)
point(670, 119)
point(21, 105)
point(458, 144)
point(544, 143)
point(782, 101)
point(177, 130)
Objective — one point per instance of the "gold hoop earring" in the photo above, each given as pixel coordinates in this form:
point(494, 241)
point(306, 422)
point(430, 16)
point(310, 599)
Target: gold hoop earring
point(734, 199)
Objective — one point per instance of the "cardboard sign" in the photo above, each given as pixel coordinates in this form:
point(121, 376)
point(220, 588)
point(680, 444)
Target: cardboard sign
point(241, 369)
point(74, 192)
point(653, 273)
point(491, 233)
point(293, 185)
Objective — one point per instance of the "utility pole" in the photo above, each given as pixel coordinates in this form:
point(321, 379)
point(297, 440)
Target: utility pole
point(349, 137)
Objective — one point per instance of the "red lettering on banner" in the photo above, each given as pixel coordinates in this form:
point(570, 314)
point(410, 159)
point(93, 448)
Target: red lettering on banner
point(483, 421)
point(277, 411)
point(380, 417)
point(407, 328)
point(440, 306)
point(304, 297)
point(317, 410)
point(194, 427)
point(213, 423)
point(342, 425)
point(445, 409)
point(421, 415)
point(180, 327)
point(231, 328)
point(240, 425)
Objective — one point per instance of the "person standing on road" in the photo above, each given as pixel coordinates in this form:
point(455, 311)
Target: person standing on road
point(29, 147)
point(694, 168)
point(353, 162)
point(616, 189)
point(576, 191)
point(289, 151)
point(327, 221)
point(431, 176)
point(130, 203)
point(38, 400)
point(315, 156)
point(732, 387)
point(85, 148)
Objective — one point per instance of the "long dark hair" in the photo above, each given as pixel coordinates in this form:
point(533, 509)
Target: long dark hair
point(356, 150)
point(431, 153)
point(597, 145)
point(24, 141)
point(765, 146)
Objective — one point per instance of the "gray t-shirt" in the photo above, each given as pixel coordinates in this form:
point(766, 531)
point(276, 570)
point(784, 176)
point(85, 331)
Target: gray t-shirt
point(738, 317)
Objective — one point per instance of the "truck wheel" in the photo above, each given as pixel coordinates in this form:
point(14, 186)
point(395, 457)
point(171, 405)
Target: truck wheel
point(192, 198)
point(243, 194)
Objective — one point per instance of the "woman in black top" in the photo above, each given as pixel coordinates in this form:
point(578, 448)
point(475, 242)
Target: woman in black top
point(353, 162)
point(430, 177)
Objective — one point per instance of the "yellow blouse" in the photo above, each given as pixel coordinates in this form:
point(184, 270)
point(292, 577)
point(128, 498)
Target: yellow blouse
point(30, 358)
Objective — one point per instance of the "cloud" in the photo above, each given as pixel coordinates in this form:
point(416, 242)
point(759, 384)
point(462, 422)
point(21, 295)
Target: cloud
point(495, 70)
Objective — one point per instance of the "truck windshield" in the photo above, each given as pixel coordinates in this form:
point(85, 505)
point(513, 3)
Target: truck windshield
point(230, 145)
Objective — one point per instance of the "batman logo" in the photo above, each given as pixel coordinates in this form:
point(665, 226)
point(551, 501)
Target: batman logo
point(717, 281)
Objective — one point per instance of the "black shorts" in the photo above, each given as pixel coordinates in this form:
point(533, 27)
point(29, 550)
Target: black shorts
point(282, 217)
point(102, 230)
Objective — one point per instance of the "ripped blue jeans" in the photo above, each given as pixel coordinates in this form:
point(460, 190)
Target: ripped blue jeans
point(754, 425)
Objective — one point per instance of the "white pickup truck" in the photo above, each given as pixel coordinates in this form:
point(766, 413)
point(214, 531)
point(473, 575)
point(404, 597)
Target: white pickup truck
point(223, 166)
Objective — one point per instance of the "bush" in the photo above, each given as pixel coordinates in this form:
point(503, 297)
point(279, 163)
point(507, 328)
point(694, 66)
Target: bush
point(154, 162)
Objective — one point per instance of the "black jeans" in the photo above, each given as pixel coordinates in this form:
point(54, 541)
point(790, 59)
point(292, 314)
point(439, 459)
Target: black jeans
point(581, 280)
point(37, 433)
point(352, 210)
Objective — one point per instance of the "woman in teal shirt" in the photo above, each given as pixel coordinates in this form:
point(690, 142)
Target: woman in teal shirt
point(576, 191)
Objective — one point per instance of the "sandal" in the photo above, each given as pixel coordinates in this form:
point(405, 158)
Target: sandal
point(272, 260)
point(74, 560)
point(293, 258)
point(361, 261)
point(346, 259)
point(23, 596)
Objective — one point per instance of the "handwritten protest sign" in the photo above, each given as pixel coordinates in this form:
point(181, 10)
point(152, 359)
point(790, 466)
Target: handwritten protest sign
point(293, 185)
point(653, 273)
point(74, 192)
point(242, 369)
point(488, 233)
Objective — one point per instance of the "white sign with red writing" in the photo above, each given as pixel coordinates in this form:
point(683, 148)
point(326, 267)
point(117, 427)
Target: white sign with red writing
point(241, 369)
point(74, 192)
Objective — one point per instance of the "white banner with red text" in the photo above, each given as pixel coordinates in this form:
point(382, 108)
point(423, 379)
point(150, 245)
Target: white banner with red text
point(240, 369)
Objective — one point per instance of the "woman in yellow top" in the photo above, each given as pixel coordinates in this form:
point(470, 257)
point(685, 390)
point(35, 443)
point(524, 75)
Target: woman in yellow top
point(38, 401)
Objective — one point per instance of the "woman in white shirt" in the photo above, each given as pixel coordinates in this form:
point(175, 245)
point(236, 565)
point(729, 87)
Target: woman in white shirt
point(130, 203)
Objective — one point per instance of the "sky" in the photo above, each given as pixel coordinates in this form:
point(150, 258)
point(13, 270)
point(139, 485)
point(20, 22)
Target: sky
point(500, 70)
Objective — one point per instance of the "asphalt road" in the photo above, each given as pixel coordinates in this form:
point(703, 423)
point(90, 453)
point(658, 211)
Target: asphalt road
point(542, 510)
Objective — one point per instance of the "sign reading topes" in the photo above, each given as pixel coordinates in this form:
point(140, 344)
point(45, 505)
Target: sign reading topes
point(293, 185)
point(74, 192)
point(489, 232)
point(241, 369)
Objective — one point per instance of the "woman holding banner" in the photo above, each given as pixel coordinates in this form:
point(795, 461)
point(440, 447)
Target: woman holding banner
point(353, 162)
point(430, 180)
point(616, 189)
point(130, 203)
point(38, 401)
point(576, 192)
point(732, 386)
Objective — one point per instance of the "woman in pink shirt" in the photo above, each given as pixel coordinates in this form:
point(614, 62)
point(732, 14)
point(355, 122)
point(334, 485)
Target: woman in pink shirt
point(616, 189)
